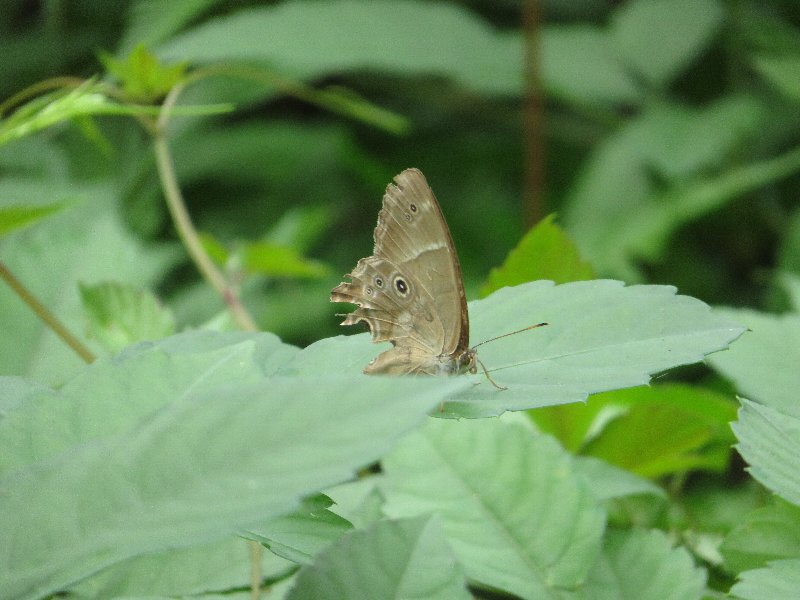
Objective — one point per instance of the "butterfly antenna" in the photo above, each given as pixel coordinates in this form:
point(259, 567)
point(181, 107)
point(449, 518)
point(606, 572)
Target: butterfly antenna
point(508, 334)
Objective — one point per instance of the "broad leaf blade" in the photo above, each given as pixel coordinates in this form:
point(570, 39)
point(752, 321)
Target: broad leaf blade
point(643, 565)
point(493, 485)
point(182, 464)
point(601, 336)
point(392, 559)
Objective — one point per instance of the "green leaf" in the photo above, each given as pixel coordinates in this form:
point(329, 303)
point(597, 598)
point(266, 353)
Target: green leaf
point(767, 534)
point(651, 431)
point(493, 485)
point(17, 217)
point(88, 99)
point(643, 565)
point(601, 336)
point(273, 260)
point(392, 559)
point(769, 440)
point(152, 21)
point(607, 481)
point(301, 535)
point(545, 252)
point(778, 581)
point(73, 245)
point(580, 66)
point(763, 362)
point(781, 71)
point(616, 213)
point(120, 315)
point(660, 38)
point(305, 41)
point(219, 566)
point(181, 442)
point(143, 78)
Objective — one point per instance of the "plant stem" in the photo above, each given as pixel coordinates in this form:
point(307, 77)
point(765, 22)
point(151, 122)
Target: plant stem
point(45, 315)
point(255, 570)
point(183, 222)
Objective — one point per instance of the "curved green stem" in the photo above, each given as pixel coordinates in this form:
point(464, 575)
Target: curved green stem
point(183, 222)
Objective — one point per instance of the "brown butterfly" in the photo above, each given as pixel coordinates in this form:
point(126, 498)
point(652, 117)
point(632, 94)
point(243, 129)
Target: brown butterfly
point(410, 291)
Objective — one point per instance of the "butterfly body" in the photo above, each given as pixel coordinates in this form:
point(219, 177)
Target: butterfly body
point(410, 291)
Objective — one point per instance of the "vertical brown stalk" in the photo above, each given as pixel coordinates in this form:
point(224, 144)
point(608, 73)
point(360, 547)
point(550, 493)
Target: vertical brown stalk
point(532, 117)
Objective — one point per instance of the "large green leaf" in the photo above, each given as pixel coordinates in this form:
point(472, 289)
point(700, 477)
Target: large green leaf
point(392, 559)
point(304, 39)
point(601, 336)
point(516, 515)
point(659, 38)
point(177, 443)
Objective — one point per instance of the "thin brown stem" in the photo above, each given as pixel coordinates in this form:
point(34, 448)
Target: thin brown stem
point(45, 315)
point(532, 116)
point(183, 222)
point(255, 570)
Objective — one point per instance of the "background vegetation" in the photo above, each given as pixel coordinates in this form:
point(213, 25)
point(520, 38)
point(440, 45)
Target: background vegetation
point(664, 137)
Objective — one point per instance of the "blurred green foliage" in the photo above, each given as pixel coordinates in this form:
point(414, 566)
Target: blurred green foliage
point(669, 133)
point(671, 155)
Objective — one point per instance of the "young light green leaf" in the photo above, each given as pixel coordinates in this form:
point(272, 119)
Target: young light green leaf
point(274, 260)
point(120, 315)
point(180, 442)
point(643, 565)
point(143, 78)
point(16, 217)
point(778, 581)
point(493, 485)
point(545, 252)
point(651, 431)
point(392, 559)
point(763, 363)
point(664, 429)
